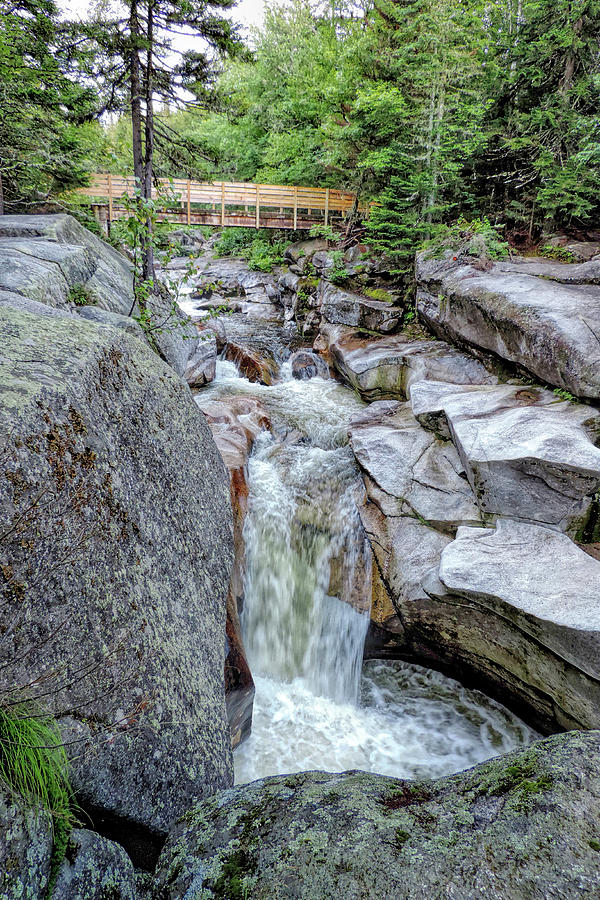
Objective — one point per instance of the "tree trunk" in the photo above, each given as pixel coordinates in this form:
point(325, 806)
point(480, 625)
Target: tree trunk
point(1, 195)
point(135, 92)
point(148, 261)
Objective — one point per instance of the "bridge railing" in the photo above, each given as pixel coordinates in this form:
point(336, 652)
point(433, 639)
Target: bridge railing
point(226, 202)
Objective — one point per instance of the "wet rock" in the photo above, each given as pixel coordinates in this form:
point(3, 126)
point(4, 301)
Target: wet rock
point(202, 365)
point(252, 363)
point(384, 367)
point(94, 868)
point(307, 365)
point(136, 519)
point(339, 307)
point(547, 328)
point(235, 423)
point(258, 347)
point(527, 454)
point(408, 472)
point(25, 849)
point(524, 825)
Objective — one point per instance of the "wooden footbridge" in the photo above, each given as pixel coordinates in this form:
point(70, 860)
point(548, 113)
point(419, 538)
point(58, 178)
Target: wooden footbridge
point(223, 203)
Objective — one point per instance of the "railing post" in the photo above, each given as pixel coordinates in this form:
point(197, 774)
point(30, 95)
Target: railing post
point(257, 206)
point(110, 203)
point(189, 202)
point(326, 207)
point(295, 209)
point(222, 204)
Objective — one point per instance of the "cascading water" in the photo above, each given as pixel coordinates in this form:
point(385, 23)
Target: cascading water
point(304, 618)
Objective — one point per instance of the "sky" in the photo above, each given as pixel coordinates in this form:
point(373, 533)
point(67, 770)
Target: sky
point(247, 12)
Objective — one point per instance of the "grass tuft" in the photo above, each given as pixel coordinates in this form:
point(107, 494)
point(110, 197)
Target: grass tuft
point(34, 765)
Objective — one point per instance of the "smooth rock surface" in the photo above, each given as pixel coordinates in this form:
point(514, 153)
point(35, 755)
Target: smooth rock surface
point(408, 472)
point(526, 825)
point(44, 256)
point(202, 364)
point(386, 367)
point(111, 474)
point(47, 258)
point(547, 328)
point(527, 454)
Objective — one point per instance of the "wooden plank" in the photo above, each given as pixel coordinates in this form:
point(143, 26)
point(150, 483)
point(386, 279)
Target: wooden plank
point(295, 209)
point(258, 206)
point(110, 202)
point(327, 208)
point(222, 203)
point(189, 202)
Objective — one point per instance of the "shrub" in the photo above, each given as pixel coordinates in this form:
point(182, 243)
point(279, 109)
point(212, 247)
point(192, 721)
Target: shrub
point(81, 295)
point(477, 237)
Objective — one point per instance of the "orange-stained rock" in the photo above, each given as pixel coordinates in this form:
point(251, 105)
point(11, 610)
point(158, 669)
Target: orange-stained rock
point(235, 422)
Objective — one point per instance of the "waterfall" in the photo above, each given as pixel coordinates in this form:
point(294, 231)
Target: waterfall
point(293, 627)
point(305, 613)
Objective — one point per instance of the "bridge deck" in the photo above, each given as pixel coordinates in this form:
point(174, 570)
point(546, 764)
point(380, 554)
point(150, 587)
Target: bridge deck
point(223, 203)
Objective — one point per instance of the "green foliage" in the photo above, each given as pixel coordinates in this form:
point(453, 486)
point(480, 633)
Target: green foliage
point(564, 395)
point(46, 144)
point(559, 253)
point(477, 237)
point(33, 764)
point(378, 294)
point(323, 231)
point(338, 273)
point(81, 295)
point(263, 249)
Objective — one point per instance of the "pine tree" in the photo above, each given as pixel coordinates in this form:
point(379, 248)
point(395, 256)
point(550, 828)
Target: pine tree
point(42, 148)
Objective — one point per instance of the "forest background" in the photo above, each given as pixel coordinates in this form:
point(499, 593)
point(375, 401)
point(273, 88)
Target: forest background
point(433, 109)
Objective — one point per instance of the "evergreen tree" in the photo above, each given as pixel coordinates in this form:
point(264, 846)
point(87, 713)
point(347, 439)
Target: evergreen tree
point(542, 168)
point(43, 147)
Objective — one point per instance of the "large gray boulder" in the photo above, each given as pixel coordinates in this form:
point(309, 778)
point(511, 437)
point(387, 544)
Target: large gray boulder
point(117, 549)
point(527, 454)
point(546, 327)
point(43, 257)
point(526, 825)
point(25, 849)
point(515, 611)
point(410, 472)
point(386, 366)
point(48, 259)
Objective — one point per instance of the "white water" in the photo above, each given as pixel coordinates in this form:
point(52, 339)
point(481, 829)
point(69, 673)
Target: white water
point(316, 705)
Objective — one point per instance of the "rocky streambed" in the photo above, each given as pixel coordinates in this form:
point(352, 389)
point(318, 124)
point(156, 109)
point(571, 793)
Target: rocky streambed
point(413, 497)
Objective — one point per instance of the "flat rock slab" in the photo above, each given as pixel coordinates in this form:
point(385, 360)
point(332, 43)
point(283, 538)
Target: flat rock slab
point(408, 471)
point(528, 455)
point(386, 367)
point(550, 329)
point(526, 825)
point(541, 579)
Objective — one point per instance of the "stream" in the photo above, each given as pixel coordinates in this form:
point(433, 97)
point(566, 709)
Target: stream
point(317, 705)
